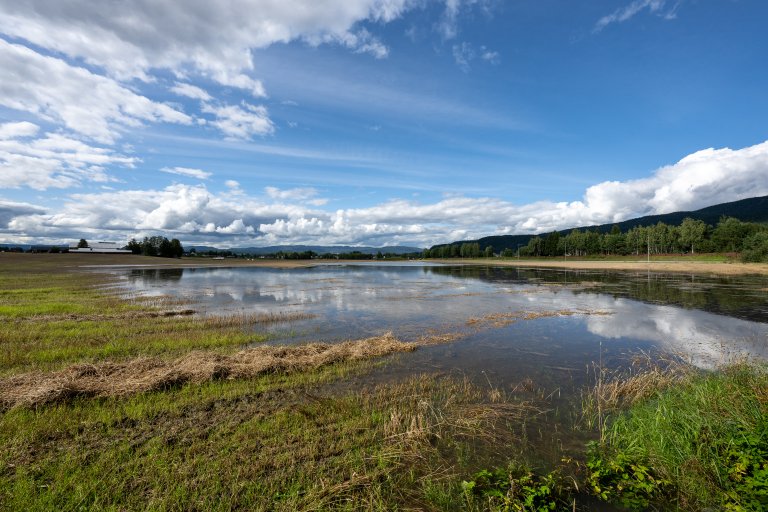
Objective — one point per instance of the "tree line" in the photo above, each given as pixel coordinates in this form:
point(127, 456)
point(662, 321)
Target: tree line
point(730, 235)
point(156, 246)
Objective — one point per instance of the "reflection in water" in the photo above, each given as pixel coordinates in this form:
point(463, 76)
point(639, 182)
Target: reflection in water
point(708, 319)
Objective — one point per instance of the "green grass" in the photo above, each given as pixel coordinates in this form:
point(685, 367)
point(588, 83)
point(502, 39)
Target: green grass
point(49, 319)
point(304, 441)
point(273, 443)
point(700, 443)
point(704, 258)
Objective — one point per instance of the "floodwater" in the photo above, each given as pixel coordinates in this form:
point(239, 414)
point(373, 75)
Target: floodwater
point(577, 318)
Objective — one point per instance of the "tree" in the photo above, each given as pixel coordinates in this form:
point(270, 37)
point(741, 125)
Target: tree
point(730, 233)
point(134, 246)
point(551, 244)
point(488, 252)
point(692, 233)
point(177, 250)
point(82, 244)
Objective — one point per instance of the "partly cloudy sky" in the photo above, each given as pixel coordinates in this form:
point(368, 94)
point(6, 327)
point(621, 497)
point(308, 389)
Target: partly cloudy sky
point(372, 122)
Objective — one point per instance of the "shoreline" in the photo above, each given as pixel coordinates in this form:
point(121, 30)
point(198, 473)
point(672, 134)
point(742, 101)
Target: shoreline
point(691, 267)
point(106, 261)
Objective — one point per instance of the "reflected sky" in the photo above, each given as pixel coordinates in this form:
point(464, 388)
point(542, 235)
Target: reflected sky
point(709, 320)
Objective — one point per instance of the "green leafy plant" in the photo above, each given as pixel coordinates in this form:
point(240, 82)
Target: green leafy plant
point(517, 488)
point(622, 480)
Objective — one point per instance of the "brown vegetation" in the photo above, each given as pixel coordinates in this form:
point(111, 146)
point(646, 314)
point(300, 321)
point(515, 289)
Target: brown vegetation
point(691, 267)
point(504, 319)
point(154, 373)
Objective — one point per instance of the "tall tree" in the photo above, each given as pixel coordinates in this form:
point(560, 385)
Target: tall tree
point(692, 233)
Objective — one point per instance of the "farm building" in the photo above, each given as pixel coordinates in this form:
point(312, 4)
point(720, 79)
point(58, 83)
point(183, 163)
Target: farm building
point(99, 247)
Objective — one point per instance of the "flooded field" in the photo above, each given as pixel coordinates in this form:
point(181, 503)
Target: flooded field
point(511, 324)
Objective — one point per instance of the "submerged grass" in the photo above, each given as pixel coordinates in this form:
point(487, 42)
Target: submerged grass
point(274, 442)
point(50, 318)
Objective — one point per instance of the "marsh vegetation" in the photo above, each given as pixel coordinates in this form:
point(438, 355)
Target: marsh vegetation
point(171, 389)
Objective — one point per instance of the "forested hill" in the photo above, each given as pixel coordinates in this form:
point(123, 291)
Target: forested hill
point(754, 209)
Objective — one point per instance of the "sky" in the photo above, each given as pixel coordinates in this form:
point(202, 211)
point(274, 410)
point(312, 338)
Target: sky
point(239, 123)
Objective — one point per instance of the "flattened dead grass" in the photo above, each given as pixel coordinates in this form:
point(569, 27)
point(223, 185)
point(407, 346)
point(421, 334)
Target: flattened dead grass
point(504, 319)
point(113, 379)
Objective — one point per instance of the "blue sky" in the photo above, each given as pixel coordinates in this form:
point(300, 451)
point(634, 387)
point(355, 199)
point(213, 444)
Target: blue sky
point(373, 122)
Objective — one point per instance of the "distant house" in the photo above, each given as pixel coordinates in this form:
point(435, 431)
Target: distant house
point(99, 247)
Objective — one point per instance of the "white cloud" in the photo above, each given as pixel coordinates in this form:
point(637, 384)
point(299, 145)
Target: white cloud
point(132, 37)
point(52, 161)
point(190, 91)
point(82, 101)
point(489, 56)
point(363, 41)
point(185, 171)
point(293, 216)
point(241, 123)
point(448, 25)
point(18, 130)
point(11, 209)
point(463, 54)
point(293, 194)
point(625, 13)
point(232, 184)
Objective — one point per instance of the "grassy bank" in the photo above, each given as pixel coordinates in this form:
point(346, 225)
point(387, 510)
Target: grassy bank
point(276, 442)
point(699, 264)
point(685, 441)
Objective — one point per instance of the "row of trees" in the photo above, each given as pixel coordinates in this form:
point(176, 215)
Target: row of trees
point(465, 250)
point(694, 236)
point(156, 246)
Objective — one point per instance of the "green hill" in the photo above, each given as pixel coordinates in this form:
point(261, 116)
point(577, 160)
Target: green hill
point(754, 209)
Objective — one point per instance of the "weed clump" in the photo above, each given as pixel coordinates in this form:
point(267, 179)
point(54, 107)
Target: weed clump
point(518, 488)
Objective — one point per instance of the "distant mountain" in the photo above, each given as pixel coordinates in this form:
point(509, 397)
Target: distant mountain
point(754, 209)
point(319, 249)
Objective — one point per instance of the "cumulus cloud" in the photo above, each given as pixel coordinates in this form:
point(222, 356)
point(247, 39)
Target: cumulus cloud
point(241, 122)
point(190, 91)
point(131, 38)
point(18, 130)
point(52, 161)
point(294, 216)
point(84, 102)
point(189, 212)
point(185, 171)
point(11, 209)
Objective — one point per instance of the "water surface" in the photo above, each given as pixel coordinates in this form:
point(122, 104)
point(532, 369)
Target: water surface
point(589, 316)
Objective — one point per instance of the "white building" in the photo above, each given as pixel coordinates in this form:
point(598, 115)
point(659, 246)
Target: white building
point(101, 247)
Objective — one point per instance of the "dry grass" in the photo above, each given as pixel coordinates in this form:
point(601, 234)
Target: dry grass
point(724, 268)
point(153, 373)
point(504, 319)
point(616, 390)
